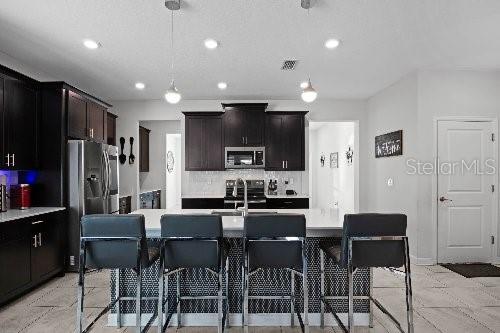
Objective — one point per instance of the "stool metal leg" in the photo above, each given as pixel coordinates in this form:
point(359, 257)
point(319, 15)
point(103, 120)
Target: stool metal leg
point(409, 293)
point(226, 272)
point(371, 295)
point(292, 298)
point(219, 302)
point(322, 288)
point(245, 294)
point(118, 310)
point(305, 288)
point(138, 300)
point(81, 288)
point(178, 287)
point(350, 316)
point(161, 283)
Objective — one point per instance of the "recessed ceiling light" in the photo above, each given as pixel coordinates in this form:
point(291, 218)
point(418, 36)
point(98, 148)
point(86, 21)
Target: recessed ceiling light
point(91, 44)
point(140, 85)
point(304, 84)
point(332, 43)
point(222, 85)
point(211, 44)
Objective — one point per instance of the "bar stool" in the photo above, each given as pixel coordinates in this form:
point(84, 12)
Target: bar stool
point(114, 242)
point(192, 241)
point(275, 241)
point(369, 240)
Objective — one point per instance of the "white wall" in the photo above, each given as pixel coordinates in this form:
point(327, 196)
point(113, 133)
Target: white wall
point(131, 112)
point(330, 186)
point(393, 109)
point(413, 104)
point(459, 93)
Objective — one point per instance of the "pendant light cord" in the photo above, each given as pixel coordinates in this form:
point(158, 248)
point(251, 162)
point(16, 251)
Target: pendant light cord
point(310, 46)
point(172, 44)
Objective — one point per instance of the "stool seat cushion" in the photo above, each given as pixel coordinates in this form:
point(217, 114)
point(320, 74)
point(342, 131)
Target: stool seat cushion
point(331, 250)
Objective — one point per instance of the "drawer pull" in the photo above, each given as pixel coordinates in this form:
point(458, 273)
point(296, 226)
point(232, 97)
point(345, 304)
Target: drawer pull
point(37, 222)
point(288, 202)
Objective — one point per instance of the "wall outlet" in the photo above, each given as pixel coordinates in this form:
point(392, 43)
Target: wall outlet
point(390, 182)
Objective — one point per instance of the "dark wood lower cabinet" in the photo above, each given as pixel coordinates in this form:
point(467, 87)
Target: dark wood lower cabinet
point(31, 252)
point(202, 203)
point(287, 203)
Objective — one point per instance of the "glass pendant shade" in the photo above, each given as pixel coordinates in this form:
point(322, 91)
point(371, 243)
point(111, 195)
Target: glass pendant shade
point(308, 93)
point(173, 96)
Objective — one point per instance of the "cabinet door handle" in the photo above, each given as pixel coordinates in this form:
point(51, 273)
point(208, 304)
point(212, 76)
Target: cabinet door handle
point(39, 239)
point(286, 164)
point(283, 164)
point(35, 241)
point(246, 139)
point(8, 159)
point(243, 139)
point(37, 222)
point(13, 159)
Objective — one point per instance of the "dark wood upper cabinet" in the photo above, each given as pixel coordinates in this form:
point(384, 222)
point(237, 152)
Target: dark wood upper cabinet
point(143, 149)
point(111, 128)
point(87, 119)
point(244, 124)
point(77, 116)
point(20, 124)
point(204, 148)
point(285, 141)
point(97, 121)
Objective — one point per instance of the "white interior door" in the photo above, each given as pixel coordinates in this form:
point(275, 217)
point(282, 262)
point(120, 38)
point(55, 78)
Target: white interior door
point(466, 152)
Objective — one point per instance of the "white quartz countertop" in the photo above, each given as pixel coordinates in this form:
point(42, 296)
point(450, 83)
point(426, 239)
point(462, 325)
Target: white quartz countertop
point(319, 222)
point(16, 214)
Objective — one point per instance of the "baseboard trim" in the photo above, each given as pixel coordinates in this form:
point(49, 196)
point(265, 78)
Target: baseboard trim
point(422, 261)
point(255, 319)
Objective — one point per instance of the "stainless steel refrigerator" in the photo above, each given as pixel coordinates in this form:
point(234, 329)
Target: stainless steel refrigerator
point(93, 187)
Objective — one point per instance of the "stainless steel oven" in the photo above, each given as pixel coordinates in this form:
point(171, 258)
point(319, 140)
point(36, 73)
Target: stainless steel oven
point(245, 157)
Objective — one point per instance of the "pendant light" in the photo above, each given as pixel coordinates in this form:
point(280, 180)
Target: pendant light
point(308, 93)
point(173, 96)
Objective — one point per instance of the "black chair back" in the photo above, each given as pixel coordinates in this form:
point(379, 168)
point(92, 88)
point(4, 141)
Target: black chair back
point(192, 241)
point(375, 253)
point(275, 240)
point(111, 241)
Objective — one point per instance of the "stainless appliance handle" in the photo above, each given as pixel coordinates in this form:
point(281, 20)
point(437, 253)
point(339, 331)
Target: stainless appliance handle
point(104, 174)
point(108, 164)
point(13, 159)
point(39, 239)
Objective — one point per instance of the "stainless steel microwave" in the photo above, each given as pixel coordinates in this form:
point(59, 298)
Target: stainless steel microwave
point(245, 157)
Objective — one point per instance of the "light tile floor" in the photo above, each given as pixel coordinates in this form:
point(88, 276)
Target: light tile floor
point(444, 302)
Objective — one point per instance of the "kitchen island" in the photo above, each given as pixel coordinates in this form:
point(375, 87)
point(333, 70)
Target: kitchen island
point(320, 224)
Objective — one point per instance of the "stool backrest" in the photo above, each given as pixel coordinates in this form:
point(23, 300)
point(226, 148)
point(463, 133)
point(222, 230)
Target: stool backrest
point(275, 240)
point(192, 241)
point(374, 253)
point(112, 241)
point(275, 225)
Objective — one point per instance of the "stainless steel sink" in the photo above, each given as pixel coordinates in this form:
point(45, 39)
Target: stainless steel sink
point(239, 213)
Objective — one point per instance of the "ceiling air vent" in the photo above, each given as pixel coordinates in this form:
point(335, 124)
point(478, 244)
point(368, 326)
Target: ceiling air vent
point(289, 65)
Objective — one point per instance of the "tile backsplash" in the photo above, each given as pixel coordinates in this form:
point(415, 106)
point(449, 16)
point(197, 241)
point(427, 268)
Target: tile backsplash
point(213, 182)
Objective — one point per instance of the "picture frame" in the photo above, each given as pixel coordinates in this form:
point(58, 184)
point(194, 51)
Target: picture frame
point(334, 160)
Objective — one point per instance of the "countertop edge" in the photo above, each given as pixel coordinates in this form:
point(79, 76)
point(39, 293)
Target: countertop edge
point(18, 214)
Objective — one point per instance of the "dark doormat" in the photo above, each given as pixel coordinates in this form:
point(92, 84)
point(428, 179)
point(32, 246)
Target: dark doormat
point(474, 270)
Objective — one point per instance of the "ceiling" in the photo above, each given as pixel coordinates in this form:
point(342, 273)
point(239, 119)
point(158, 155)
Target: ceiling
point(381, 41)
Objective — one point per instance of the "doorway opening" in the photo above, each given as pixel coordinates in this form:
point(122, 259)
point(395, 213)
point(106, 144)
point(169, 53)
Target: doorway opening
point(174, 171)
point(163, 136)
point(333, 166)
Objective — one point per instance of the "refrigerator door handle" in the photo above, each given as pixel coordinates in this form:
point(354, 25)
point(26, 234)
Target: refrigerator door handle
point(109, 173)
point(104, 171)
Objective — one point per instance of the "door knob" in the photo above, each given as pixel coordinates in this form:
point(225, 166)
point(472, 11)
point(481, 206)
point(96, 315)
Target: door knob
point(443, 199)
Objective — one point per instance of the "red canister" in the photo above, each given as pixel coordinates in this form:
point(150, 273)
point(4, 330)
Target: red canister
point(20, 196)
